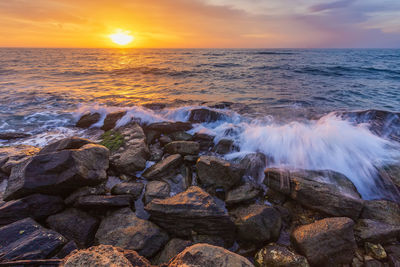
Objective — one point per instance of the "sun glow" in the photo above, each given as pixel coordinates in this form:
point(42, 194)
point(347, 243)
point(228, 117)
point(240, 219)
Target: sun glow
point(121, 37)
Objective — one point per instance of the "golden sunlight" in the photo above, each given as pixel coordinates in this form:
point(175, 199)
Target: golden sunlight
point(121, 37)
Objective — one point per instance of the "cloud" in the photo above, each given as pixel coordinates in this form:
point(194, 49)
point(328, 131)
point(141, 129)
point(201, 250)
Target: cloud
point(333, 5)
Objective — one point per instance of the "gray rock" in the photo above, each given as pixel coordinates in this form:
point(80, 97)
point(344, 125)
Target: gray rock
point(381, 210)
point(156, 190)
point(367, 230)
point(181, 136)
point(242, 194)
point(224, 146)
point(165, 139)
point(128, 188)
point(274, 255)
point(123, 229)
point(164, 169)
point(156, 152)
point(183, 147)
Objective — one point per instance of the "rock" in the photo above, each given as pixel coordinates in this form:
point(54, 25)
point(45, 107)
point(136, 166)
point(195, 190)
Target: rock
point(180, 136)
point(134, 153)
point(375, 250)
point(224, 146)
point(66, 250)
point(101, 202)
point(156, 153)
point(257, 223)
point(211, 240)
point(12, 135)
point(381, 210)
point(391, 173)
point(111, 120)
point(371, 262)
point(327, 242)
point(206, 141)
point(163, 169)
point(27, 240)
point(242, 194)
point(123, 229)
point(169, 127)
point(393, 253)
point(36, 206)
point(65, 144)
point(88, 120)
point(58, 173)
point(128, 188)
point(74, 225)
point(85, 191)
point(154, 106)
point(191, 211)
point(156, 190)
point(217, 173)
point(324, 191)
point(11, 156)
point(204, 115)
point(183, 147)
point(274, 255)
point(190, 159)
point(208, 255)
point(254, 165)
point(164, 140)
point(367, 230)
point(171, 249)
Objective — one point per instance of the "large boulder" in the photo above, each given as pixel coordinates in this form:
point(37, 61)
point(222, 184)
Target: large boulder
point(12, 155)
point(367, 230)
point(381, 210)
point(65, 144)
point(123, 229)
point(27, 240)
point(183, 147)
point(169, 127)
point(204, 115)
point(134, 153)
point(111, 120)
point(192, 211)
point(214, 172)
point(201, 255)
point(327, 242)
point(74, 225)
point(257, 223)
point(58, 172)
point(36, 206)
point(171, 249)
point(325, 191)
point(164, 169)
point(274, 255)
point(88, 120)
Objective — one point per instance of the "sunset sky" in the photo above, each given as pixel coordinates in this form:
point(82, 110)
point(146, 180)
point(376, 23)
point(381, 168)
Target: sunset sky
point(201, 23)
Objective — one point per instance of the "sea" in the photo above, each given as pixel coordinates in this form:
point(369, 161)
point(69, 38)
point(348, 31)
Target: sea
point(302, 108)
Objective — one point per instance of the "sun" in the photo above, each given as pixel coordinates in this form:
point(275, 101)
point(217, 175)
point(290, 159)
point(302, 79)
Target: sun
point(121, 37)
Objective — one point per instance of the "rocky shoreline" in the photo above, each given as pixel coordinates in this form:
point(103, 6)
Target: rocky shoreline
point(155, 195)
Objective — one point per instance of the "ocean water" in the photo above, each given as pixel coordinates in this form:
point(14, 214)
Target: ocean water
point(293, 105)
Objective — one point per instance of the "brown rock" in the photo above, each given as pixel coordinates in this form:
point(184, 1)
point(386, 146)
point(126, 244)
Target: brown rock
point(156, 190)
point(183, 148)
point(88, 120)
point(381, 210)
point(164, 169)
point(111, 120)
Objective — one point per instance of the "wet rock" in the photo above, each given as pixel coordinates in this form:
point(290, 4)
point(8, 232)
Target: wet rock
point(204, 115)
point(367, 230)
point(163, 169)
point(181, 136)
point(59, 172)
point(183, 148)
point(391, 173)
point(85, 191)
point(324, 191)
point(206, 141)
point(165, 140)
point(128, 188)
point(224, 146)
point(156, 190)
point(375, 250)
point(215, 172)
point(257, 223)
point(12, 155)
point(208, 255)
point(12, 135)
point(36, 206)
point(134, 153)
point(111, 120)
point(154, 106)
point(169, 127)
point(66, 250)
point(123, 229)
point(191, 211)
point(242, 194)
point(254, 165)
point(156, 152)
point(74, 225)
point(65, 144)
point(327, 242)
point(381, 210)
point(27, 240)
point(274, 255)
point(171, 249)
point(101, 202)
point(88, 120)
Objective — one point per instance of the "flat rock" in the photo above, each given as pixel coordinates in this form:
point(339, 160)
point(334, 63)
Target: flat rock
point(156, 190)
point(103, 202)
point(88, 120)
point(327, 242)
point(381, 210)
point(242, 194)
point(257, 223)
point(201, 115)
point(171, 249)
point(208, 255)
point(164, 169)
point(123, 229)
point(218, 173)
point(134, 153)
point(74, 225)
point(27, 240)
point(128, 188)
point(191, 211)
point(85, 191)
point(169, 127)
point(180, 136)
point(111, 120)
point(325, 191)
point(36, 206)
point(183, 147)
point(274, 255)
point(367, 230)
point(58, 173)
point(12, 155)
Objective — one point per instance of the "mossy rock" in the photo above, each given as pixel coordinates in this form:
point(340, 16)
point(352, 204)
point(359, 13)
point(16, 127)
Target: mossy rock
point(112, 140)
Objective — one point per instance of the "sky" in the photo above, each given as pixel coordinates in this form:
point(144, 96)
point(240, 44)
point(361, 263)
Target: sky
point(202, 23)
